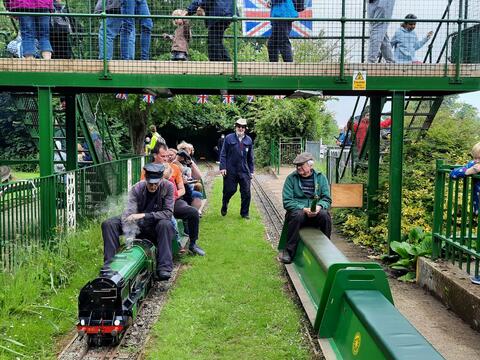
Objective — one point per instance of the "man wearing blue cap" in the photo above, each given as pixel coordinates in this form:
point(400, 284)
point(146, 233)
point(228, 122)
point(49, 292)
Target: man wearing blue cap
point(147, 216)
point(236, 167)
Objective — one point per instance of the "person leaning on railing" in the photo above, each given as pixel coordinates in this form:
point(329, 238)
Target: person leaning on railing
point(379, 41)
point(279, 41)
point(33, 27)
point(216, 28)
point(472, 168)
point(113, 26)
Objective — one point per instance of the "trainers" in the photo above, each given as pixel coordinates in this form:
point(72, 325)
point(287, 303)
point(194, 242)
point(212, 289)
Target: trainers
point(246, 217)
point(196, 250)
point(223, 211)
point(475, 280)
point(163, 275)
point(284, 257)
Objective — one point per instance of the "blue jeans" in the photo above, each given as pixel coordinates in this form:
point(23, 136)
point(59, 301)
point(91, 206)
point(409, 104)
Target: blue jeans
point(114, 27)
point(35, 27)
point(127, 40)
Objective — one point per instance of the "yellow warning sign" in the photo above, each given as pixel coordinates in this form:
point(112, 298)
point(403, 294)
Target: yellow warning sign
point(357, 340)
point(359, 80)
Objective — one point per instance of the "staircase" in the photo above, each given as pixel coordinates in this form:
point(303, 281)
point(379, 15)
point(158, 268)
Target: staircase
point(92, 128)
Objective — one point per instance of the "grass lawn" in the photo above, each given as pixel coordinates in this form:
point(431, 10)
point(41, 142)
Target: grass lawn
point(230, 304)
point(20, 175)
point(39, 301)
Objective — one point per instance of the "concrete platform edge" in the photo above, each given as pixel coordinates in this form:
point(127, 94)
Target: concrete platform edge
point(455, 292)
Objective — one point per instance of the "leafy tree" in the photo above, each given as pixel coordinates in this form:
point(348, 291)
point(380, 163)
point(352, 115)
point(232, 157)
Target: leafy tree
point(451, 136)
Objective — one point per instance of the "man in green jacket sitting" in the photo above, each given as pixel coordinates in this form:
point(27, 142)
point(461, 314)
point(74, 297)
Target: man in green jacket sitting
point(302, 188)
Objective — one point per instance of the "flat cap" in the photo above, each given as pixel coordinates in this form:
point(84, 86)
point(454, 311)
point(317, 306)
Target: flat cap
point(302, 158)
point(241, 121)
point(153, 172)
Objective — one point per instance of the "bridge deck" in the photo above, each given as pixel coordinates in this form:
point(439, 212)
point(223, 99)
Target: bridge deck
point(225, 68)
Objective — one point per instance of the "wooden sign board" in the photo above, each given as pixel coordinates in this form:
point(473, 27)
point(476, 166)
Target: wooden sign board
point(346, 195)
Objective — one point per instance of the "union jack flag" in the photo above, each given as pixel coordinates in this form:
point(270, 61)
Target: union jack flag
point(202, 99)
point(122, 96)
point(250, 98)
point(149, 99)
point(228, 99)
point(258, 8)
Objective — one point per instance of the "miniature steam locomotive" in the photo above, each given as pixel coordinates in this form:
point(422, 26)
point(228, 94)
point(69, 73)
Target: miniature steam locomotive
point(108, 304)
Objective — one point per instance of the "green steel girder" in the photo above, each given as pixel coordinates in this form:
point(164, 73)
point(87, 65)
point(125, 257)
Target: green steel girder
point(84, 82)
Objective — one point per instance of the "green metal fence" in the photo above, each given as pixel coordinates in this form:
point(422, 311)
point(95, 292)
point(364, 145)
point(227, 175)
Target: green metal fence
point(37, 212)
point(456, 235)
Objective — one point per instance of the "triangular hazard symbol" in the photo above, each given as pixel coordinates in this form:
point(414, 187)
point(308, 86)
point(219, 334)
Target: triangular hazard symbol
point(359, 77)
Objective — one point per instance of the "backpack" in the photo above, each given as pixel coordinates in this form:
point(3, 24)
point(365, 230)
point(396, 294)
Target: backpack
point(299, 5)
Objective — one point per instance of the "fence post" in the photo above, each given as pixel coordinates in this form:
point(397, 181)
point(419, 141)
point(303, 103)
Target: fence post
point(438, 206)
point(396, 161)
point(48, 214)
point(373, 156)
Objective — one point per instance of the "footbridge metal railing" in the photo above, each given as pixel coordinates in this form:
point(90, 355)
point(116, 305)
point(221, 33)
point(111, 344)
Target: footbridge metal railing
point(328, 39)
point(456, 235)
point(37, 213)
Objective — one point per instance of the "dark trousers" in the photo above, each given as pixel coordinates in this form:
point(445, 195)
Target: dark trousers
point(279, 41)
point(298, 219)
point(190, 215)
point(216, 48)
point(160, 232)
point(230, 182)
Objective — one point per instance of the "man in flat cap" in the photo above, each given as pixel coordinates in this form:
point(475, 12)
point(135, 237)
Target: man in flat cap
point(147, 216)
point(236, 167)
point(301, 187)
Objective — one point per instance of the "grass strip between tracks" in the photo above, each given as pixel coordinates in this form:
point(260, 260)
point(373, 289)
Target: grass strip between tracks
point(231, 303)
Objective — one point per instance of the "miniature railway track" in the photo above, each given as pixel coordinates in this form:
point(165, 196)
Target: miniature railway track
point(275, 217)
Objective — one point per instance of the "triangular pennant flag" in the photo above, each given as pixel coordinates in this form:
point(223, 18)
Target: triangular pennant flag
point(279, 97)
point(202, 99)
point(149, 99)
point(121, 96)
point(250, 98)
point(228, 99)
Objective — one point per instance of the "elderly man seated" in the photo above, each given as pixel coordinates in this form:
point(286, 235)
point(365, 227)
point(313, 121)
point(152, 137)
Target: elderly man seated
point(301, 188)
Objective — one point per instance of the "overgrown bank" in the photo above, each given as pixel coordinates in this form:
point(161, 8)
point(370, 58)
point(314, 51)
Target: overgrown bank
point(38, 303)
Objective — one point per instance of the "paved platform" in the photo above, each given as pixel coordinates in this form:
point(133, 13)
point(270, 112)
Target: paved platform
point(449, 334)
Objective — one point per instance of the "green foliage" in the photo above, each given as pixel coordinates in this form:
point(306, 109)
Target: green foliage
point(418, 244)
point(451, 136)
point(273, 119)
point(39, 300)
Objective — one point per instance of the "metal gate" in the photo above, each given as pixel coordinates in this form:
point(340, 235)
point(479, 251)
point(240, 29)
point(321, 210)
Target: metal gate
point(289, 149)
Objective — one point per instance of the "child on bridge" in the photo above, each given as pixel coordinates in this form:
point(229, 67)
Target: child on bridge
point(405, 41)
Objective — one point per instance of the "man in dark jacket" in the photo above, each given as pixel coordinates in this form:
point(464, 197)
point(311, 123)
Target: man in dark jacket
point(147, 216)
point(216, 28)
point(236, 166)
point(300, 189)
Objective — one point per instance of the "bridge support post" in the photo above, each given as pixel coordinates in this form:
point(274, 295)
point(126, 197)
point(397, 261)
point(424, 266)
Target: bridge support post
point(396, 167)
point(71, 132)
point(373, 156)
point(48, 215)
